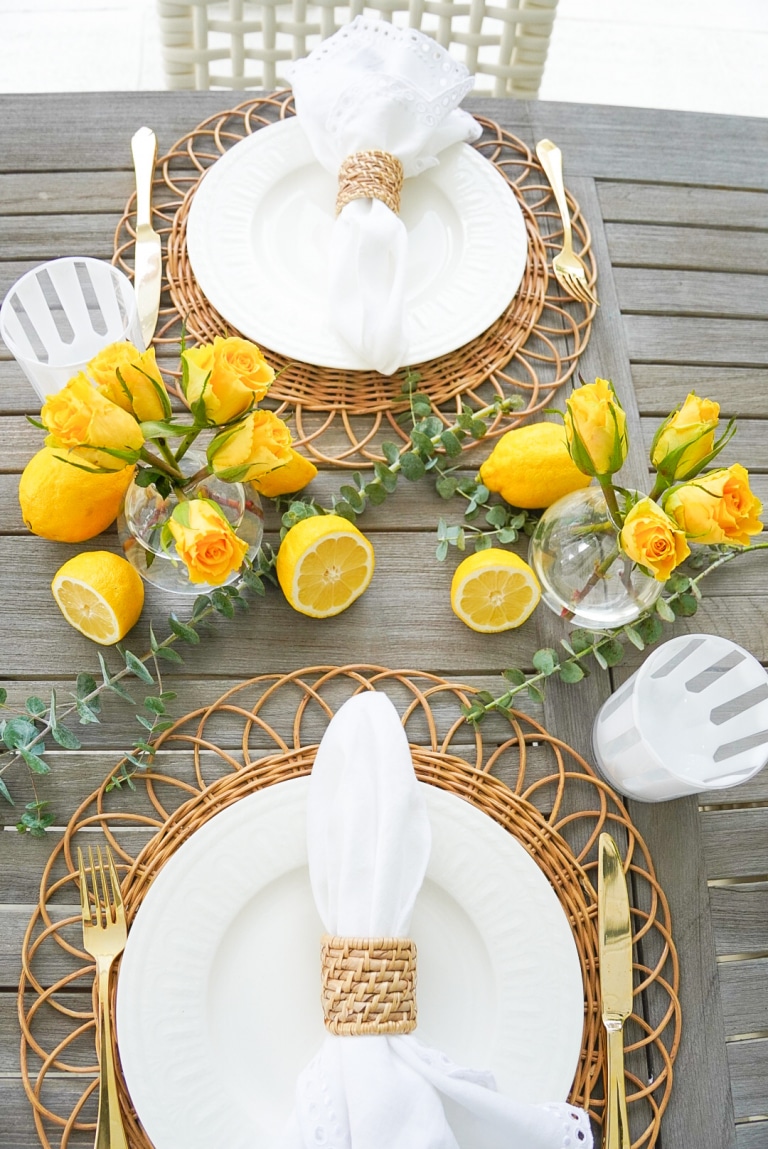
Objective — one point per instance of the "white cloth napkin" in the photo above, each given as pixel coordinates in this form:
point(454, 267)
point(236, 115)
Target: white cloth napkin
point(374, 86)
point(369, 839)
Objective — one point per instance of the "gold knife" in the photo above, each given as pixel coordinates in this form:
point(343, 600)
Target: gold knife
point(148, 266)
point(615, 938)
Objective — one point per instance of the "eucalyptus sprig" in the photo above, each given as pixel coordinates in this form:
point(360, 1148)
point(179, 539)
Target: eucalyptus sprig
point(606, 647)
point(24, 734)
point(429, 443)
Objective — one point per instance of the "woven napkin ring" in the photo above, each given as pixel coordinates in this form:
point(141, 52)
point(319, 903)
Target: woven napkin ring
point(370, 175)
point(369, 985)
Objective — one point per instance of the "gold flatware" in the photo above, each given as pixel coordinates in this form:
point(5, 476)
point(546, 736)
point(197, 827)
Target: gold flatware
point(104, 935)
point(569, 270)
point(614, 927)
point(148, 263)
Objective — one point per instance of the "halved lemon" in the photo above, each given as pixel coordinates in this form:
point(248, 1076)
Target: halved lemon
point(100, 594)
point(494, 590)
point(323, 565)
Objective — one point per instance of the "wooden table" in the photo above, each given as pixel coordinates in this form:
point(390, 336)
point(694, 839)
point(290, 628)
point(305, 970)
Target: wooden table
point(678, 208)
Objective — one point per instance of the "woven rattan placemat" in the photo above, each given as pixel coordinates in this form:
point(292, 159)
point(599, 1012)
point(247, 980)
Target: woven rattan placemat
point(266, 731)
point(341, 417)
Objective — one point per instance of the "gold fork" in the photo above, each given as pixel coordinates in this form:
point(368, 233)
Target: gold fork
point(104, 934)
point(569, 270)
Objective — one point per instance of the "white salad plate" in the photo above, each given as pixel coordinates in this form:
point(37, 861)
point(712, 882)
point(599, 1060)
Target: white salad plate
point(218, 1002)
point(258, 237)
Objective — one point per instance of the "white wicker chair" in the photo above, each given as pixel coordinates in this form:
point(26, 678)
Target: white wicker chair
point(239, 44)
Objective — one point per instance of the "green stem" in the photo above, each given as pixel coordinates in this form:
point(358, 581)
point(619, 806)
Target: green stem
point(659, 487)
point(186, 443)
point(503, 701)
point(609, 494)
point(160, 465)
point(104, 686)
point(167, 454)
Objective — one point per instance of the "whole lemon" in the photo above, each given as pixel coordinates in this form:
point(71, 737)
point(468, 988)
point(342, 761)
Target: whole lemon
point(66, 504)
point(531, 468)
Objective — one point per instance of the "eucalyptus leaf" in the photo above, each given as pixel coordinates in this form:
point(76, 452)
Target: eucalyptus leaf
point(545, 661)
point(35, 706)
point(664, 610)
point(18, 732)
point(570, 672)
point(412, 466)
point(181, 630)
point(391, 451)
point(137, 667)
point(65, 738)
point(513, 675)
point(5, 793)
point(36, 764)
point(451, 443)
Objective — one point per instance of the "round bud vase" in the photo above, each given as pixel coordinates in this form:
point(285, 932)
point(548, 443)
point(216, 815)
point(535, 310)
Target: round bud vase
point(584, 576)
point(145, 511)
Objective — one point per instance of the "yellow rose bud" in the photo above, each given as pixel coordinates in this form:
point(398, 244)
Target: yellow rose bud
point(252, 449)
point(292, 475)
point(718, 507)
point(80, 419)
point(205, 542)
point(146, 396)
point(596, 429)
point(649, 537)
point(685, 439)
point(229, 375)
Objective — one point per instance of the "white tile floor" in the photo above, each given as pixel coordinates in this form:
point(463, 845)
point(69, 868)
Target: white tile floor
point(699, 55)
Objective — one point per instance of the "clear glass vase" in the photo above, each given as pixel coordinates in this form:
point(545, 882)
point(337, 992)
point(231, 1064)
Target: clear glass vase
point(144, 511)
point(584, 576)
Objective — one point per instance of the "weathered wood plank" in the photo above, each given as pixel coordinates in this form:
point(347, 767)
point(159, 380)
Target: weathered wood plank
point(752, 1135)
point(65, 193)
point(739, 390)
point(748, 1061)
point(404, 618)
point(735, 842)
point(691, 248)
point(727, 342)
point(701, 1112)
point(740, 918)
point(744, 992)
point(46, 237)
point(653, 292)
point(50, 1025)
point(18, 1121)
point(674, 203)
point(653, 145)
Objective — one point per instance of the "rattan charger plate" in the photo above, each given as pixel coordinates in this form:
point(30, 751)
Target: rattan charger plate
point(267, 730)
point(340, 417)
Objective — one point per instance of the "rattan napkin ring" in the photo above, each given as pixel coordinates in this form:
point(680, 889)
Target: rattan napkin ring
point(369, 985)
point(370, 175)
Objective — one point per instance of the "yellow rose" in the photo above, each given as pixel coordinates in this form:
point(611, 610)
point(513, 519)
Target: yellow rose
point(205, 542)
point(651, 539)
point(685, 439)
point(252, 449)
point(718, 507)
point(596, 429)
point(146, 396)
point(229, 375)
point(80, 419)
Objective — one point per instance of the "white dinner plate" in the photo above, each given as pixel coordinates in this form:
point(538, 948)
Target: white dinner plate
point(218, 1003)
point(258, 236)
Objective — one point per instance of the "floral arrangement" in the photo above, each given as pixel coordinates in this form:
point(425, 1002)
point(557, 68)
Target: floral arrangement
point(119, 415)
point(692, 523)
point(684, 507)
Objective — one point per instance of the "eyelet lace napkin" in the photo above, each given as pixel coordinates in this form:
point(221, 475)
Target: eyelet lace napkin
point(372, 86)
point(368, 839)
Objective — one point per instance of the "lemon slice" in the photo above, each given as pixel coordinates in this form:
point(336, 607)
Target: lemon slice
point(323, 565)
point(494, 590)
point(100, 594)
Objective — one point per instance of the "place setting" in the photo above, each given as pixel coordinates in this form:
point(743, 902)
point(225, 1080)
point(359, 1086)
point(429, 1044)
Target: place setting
point(482, 899)
point(267, 246)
